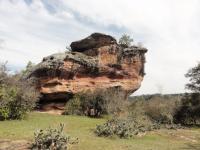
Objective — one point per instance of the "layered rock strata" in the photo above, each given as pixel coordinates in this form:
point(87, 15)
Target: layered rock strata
point(96, 62)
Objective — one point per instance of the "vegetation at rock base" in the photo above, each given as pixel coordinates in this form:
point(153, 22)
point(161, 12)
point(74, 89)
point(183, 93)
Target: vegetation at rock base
point(52, 139)
point(17, 97)
point(98, 103)
point(74, 105)
point(86, 103)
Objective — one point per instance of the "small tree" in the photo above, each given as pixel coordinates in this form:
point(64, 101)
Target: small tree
point(28, 68)
point(3, 72)
point(125, 40)
point(17, 96)
point(189, 112)
point(194, 78)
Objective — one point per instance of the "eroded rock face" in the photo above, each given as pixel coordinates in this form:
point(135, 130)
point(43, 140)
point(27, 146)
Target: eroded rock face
point(96, 62)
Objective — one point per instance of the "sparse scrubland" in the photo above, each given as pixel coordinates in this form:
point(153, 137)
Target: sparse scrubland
point(83, 128)
point(142, 116)
point(101, 120)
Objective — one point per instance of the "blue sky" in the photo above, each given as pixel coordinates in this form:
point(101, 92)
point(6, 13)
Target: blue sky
point(32, 29)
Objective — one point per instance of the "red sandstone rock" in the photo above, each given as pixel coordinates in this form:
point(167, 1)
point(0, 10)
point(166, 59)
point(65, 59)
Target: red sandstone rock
point(96, 62)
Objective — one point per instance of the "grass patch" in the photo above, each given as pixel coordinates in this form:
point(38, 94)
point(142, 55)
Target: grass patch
point(82, 127)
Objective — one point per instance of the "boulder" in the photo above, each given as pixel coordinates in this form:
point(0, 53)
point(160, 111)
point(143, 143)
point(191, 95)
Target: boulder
point(95, 40)
point(96, 62)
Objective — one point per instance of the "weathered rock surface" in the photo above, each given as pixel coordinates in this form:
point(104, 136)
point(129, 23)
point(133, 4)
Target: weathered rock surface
point(95, 40)
point(96, 62)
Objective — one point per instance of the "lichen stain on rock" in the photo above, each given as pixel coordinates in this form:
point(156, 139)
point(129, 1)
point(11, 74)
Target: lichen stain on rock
point(96, 62)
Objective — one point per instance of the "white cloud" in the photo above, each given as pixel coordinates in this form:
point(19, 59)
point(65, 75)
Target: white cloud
point(169, 29)
point(31, 32)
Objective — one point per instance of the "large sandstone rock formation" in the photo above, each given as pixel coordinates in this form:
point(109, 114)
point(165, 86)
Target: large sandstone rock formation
point(96, 62)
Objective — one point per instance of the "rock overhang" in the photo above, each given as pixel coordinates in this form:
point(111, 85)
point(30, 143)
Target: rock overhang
point(78, 70)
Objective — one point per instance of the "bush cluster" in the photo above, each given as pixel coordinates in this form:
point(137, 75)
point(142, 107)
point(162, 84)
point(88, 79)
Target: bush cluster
point(74, 105)
point(120, 127)
point(158, 109)
point(123, 127)
point(189, 111)
point(52, 139)
point(85, 103)
point(161, 111)
point(96, 103)
point(142, 116)
point(17, 97)
point(16, 100)
point(170, 110)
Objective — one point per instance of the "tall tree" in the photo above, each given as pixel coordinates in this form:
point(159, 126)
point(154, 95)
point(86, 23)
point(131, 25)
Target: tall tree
point(194, 77)
point(189, 112)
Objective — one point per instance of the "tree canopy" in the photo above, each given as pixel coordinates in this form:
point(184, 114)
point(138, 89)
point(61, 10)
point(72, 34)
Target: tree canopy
point(194, 79)
point(125, 40)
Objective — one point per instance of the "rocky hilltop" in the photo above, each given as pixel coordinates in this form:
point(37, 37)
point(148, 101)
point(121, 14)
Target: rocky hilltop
point(96, 62)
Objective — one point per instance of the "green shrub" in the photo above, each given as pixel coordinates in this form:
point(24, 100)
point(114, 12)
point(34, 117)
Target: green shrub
point(114, 101)
point(17, 96)
point(52, 139)
point(122, 127)
point(110, 101)
point(189, 112)
point(16, 101)
point(73, 106)
point(159, 109)
point(142, 116)
point(7, 98)
point(84, 103)
point(4, 113)
point(136, 111)
point(118, 127)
